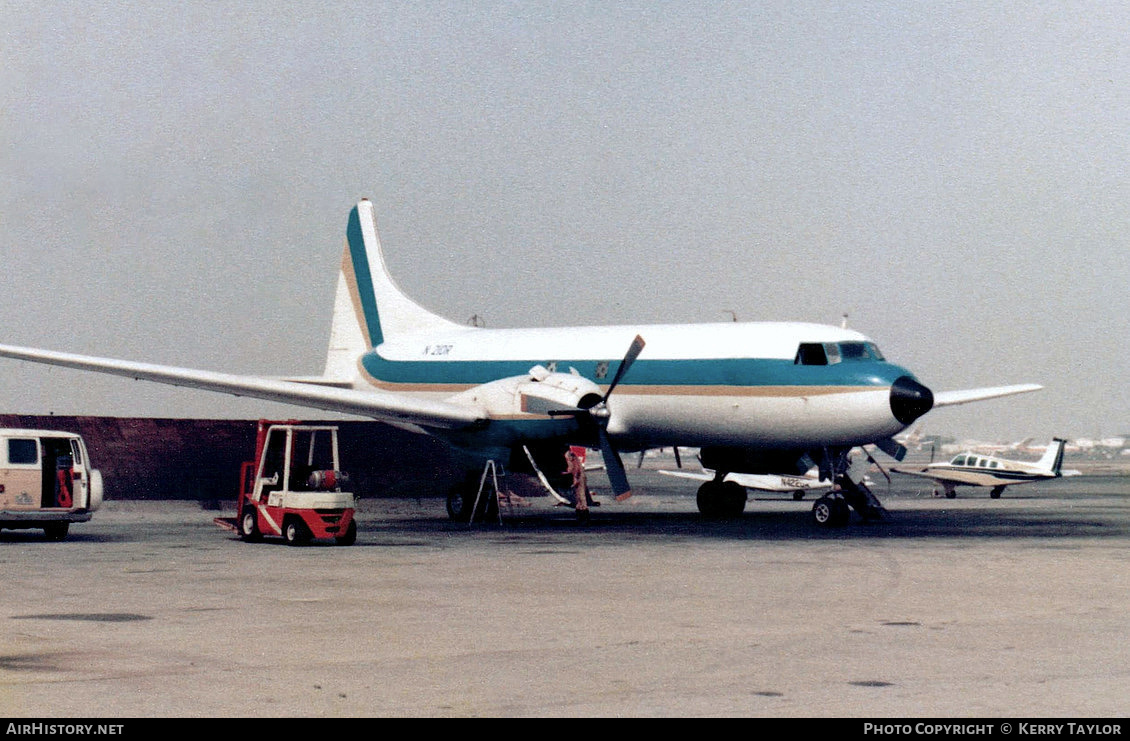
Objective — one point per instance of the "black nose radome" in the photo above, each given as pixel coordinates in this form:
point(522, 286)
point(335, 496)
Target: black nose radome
point(910, 399)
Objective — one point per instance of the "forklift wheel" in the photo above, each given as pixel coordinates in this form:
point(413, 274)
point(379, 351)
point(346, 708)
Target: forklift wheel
point(295, 532)
point(350, 536)
point(249, 527)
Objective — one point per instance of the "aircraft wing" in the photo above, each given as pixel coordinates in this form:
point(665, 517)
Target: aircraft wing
point(696, 475)
point(964, 478)
point(761, 482)
point(379, 405)
point(953, 398)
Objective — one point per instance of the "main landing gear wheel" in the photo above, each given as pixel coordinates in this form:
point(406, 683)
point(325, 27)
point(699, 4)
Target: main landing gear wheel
point(461, 500)
point(830, 511)
point(249, 527)
point(459, 503)
point(996, 492)
point(721, 499)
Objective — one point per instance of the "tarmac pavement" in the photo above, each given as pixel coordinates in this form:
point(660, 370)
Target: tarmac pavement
point(968, 608)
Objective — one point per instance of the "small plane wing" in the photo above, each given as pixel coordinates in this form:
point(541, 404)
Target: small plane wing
point(761, 482)
point(953, 398)
point(966, 478)
point(696, 475)
point(379, 405)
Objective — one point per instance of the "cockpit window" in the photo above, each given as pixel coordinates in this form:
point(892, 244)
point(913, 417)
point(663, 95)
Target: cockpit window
point(860, 351)
point(830, 353)
point(811, 353)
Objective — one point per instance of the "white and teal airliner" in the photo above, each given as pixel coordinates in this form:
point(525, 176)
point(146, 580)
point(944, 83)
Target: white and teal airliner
point(755, 397)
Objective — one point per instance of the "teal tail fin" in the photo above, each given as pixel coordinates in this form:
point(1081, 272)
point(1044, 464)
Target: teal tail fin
point(369, 308)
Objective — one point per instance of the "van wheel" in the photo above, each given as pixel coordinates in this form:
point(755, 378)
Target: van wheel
point(295, 532)
point(56, 530)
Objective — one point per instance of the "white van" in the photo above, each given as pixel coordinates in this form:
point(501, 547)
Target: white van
point(46, 481)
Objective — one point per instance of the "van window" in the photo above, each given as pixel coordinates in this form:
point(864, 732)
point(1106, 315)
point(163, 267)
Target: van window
point(76, 451)
point(23, 450)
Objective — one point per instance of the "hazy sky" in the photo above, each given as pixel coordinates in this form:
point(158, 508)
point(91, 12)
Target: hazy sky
point(175, 181)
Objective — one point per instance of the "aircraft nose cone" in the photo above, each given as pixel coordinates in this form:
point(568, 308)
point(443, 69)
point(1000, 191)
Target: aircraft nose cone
point(910, 399)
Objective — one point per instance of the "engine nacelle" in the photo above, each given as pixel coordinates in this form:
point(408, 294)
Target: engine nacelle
point(538, 392)
point(746, 460)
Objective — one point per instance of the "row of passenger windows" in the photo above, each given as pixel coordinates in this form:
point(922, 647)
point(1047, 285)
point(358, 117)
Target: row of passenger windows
point(830, 353)
point(975, 460)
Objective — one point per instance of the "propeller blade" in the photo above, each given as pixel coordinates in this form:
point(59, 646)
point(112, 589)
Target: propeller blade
point(633, 353)
point(614, 467)
point(892, 448)
point(598, 414)
point(878, 465)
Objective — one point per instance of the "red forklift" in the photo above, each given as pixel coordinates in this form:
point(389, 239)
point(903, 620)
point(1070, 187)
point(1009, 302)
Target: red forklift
point(293, 488)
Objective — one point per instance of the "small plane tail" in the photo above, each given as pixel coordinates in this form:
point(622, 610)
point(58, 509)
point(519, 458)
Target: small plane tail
point(369, 308)
point(1052, 459)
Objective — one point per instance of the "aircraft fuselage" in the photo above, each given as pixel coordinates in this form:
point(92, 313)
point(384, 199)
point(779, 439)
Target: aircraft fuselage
point(696, 385)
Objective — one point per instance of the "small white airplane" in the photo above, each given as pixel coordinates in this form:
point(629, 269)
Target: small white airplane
point(798, 485)
point(754, 397)
point(973, 469)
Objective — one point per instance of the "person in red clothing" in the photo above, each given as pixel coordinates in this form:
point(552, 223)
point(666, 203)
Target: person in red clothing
point(575, 467)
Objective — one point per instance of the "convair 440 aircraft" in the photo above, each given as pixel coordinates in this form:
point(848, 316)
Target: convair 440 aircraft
point(755, 397)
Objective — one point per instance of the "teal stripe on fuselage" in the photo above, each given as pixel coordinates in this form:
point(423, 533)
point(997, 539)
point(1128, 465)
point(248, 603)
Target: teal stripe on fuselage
point(363, 276)
point(696, 372)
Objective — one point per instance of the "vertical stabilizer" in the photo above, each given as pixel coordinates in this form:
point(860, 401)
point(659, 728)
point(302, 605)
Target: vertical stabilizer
point(369, 307)
point(1052, 459)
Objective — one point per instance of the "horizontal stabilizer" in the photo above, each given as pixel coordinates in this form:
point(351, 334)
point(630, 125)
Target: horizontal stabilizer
point(383, 406)
point(953, 398)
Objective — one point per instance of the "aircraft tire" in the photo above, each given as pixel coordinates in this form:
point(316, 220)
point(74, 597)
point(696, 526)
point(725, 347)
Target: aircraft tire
point(459, 503)
point(732, 498)
point(996, 492)
point(707, 500)
point(461, 500)
point(721, 500)
point(830, 511)
point(951, 494)
point(798, 495)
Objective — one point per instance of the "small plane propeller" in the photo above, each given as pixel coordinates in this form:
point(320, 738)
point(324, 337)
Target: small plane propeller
point(599, 415)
